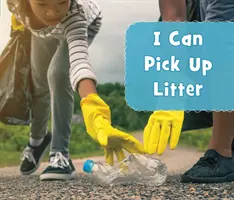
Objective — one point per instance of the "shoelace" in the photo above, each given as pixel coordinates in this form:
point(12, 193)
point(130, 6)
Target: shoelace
point(207, 161)
point(28, 154)
point(59, 161)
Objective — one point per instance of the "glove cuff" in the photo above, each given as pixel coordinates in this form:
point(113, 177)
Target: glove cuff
point(88, 97)
point(92, 98)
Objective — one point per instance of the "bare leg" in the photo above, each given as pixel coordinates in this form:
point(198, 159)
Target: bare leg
point(172, 10)
point(223, 133)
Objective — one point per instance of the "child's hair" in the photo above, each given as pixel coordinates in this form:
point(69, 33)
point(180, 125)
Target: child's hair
point(24, 9)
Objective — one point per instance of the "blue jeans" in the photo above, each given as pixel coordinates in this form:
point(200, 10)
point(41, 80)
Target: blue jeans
point(52, 91)
point(217, 10)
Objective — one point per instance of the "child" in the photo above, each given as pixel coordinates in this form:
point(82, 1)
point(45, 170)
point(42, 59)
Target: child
point(61, 31)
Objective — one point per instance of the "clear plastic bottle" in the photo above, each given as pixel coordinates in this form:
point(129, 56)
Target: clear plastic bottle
point(134, 169)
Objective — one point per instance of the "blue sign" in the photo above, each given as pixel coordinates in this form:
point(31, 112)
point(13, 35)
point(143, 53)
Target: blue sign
point(180, 66)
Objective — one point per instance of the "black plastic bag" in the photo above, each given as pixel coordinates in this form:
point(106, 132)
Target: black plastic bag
point(15, 80)
point(193, 10)
point(197, 120)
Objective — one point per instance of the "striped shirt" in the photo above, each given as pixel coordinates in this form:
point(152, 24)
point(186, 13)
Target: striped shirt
point(83, 20)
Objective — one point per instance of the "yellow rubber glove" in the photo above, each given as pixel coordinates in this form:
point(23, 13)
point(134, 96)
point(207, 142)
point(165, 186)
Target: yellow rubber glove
point(97, 119)
point(16, 25)
point(162, 125)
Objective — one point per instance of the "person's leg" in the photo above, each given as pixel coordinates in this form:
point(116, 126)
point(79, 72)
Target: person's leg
point(222, 133)
point(62, 102)
point(223, 126)
point(62, 110)
point(42, 51)
point(217, 165)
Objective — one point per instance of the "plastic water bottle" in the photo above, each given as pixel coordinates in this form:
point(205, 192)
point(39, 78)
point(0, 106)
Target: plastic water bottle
point(134, 169)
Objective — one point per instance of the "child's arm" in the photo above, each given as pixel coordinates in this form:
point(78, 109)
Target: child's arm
point(86, 87)
point(96, 112)
point(82, 77)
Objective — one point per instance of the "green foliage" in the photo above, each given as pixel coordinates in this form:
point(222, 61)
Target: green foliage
point(81, 142)
point(14, 138)
point(122, 115)
point(196, 138)
point(9, 158)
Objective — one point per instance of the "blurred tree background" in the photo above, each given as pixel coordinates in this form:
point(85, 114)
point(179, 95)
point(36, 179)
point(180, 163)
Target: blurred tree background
point(14, 138)
point(122, 115)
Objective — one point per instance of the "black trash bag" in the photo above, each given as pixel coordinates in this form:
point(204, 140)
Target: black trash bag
point(15, 80)
point(193, 11)
point(197, 120)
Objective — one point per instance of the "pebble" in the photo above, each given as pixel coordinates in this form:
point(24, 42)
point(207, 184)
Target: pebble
point(82, 188)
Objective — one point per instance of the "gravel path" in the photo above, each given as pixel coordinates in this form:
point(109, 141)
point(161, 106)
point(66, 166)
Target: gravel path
point(14, 186)
point(29, 188)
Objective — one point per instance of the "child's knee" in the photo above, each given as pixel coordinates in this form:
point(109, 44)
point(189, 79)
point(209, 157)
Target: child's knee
point(58, 72)
point(58, 78)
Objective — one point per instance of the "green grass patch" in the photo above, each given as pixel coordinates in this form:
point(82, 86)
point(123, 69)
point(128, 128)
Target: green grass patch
point(14, 138)
point(196, 138)
point(9, 158)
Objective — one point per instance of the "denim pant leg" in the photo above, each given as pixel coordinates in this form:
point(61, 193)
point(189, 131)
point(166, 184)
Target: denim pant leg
point(62, 98)
point(61, 95)
point(42, 51)
point(217, 10)
point(203, 6)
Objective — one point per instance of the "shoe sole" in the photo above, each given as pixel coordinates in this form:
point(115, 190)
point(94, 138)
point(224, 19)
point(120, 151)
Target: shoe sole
point(190, 179)
point(38, 164)
point(53, 176)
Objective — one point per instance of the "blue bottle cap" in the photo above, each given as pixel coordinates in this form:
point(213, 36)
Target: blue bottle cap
point(88, 166)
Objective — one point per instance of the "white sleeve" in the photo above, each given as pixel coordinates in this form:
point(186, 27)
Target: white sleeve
point(76, 33)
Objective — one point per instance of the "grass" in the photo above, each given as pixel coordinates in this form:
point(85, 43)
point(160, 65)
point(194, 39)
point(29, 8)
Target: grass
point(13, 140)
point(9, 158)
point(196, 138)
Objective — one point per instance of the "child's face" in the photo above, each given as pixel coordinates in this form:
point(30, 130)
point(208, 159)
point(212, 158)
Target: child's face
point(50, 12)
